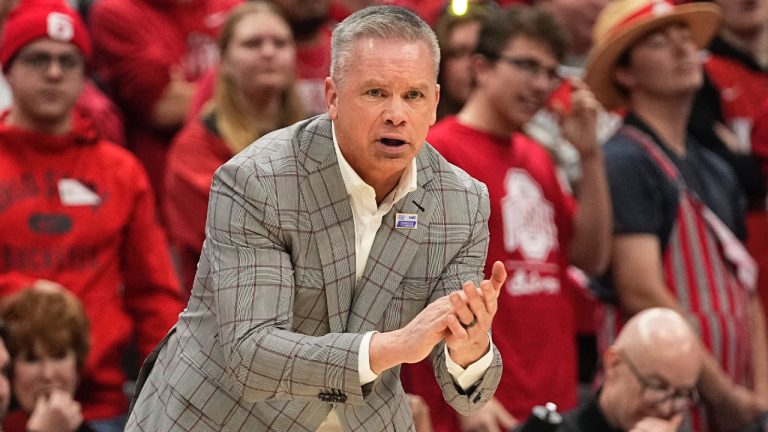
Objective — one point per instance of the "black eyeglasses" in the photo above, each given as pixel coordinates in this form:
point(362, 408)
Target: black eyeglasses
point(655, 394)
point(41, 61)
point(532, 67)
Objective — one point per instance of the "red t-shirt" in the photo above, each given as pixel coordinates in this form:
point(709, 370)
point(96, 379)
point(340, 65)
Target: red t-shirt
point(530, 230)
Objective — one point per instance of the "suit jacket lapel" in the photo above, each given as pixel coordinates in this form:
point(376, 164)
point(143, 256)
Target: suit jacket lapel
point(392, 253)
point(331, 219)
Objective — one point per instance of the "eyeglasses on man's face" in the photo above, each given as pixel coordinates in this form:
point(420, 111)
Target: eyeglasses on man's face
point(655, 392)
point(532, 67)
point(41, 61)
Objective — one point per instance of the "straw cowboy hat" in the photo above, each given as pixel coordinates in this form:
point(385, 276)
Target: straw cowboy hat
point(624, 22)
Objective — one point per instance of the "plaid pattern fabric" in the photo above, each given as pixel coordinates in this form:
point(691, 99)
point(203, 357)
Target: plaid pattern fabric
point(270, 338)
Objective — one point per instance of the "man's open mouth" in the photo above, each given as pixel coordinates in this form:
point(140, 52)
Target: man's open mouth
point(393, 142)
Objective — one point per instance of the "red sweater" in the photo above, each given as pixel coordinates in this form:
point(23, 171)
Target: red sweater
point(195, 154)
point(79, 211)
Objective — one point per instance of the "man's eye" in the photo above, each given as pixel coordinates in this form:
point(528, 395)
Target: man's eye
point(414, 95)
point(374, 92)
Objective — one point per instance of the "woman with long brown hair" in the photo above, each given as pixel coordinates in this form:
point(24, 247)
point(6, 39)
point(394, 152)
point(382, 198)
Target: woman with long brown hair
point(254, 95)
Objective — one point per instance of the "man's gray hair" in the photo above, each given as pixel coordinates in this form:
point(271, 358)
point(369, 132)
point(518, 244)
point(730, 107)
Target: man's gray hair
point(379, 22)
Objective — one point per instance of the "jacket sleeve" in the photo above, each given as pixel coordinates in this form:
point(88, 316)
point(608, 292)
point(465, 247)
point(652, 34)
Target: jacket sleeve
point(467, 265)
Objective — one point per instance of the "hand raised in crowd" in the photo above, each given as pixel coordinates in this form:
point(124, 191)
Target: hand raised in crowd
point(656, 424)
point(56, 412)
point(171, 109)
point(474, 310)
point(579, 123)
point(492, 417)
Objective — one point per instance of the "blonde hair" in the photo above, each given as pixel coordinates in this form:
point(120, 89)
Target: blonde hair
point(236, 128)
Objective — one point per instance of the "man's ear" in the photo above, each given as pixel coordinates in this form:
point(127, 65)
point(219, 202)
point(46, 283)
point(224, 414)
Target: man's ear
point(611, 360)
point(437, 101)
point(331, 98)
point(624, 77)
point(479, 67)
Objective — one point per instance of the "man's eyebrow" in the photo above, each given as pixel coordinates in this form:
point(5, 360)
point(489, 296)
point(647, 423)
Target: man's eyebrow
point(373, 82)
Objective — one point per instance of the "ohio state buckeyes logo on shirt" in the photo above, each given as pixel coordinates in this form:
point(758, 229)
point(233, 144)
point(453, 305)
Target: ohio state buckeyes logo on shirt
point(530, 230)
point(528, 217)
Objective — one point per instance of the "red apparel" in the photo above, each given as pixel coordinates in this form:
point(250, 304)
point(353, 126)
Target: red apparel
point(313, 65)
point(195, 154)
point(107, 118)
point(756, 243)
point(137, 43)
point(743, 89)
point(79, 211)
point(530, 230)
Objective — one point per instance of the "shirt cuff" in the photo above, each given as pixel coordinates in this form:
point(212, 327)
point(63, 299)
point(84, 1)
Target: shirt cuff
point(466, 378)
point(364, 360)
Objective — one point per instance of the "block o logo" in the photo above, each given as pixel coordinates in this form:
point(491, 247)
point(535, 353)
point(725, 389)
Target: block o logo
point(60, 27)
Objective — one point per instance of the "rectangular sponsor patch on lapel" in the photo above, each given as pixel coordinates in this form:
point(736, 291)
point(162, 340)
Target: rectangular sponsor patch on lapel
point(406, 220)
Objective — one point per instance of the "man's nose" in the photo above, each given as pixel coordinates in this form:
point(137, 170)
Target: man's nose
point(268, 48)
point(54, 69)
point(394, 112)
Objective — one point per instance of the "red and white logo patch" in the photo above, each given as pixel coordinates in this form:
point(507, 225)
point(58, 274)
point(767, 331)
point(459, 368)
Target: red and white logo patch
point(60, 27)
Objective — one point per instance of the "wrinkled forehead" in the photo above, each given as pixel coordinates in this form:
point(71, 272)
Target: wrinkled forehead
point(669, 367)
point(390, 50)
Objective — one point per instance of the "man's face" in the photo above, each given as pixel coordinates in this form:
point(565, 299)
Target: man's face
point(5, 388)
point(383, 106)
point(46, 78)
point(519, 82)
point(457, 67)
point(653, 386)
point(664, 64)
point(744, 17)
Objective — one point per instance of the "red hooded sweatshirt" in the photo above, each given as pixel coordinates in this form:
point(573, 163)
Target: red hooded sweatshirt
point(79, 211)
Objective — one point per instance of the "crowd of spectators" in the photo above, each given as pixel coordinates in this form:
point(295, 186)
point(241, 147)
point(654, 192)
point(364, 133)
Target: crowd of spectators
point(616, 186)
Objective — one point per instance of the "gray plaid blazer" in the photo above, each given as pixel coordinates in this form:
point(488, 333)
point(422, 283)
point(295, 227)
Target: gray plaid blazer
point(270, 338)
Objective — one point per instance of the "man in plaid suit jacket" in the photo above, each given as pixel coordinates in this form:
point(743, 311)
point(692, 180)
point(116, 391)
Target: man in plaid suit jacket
point(336, 249)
